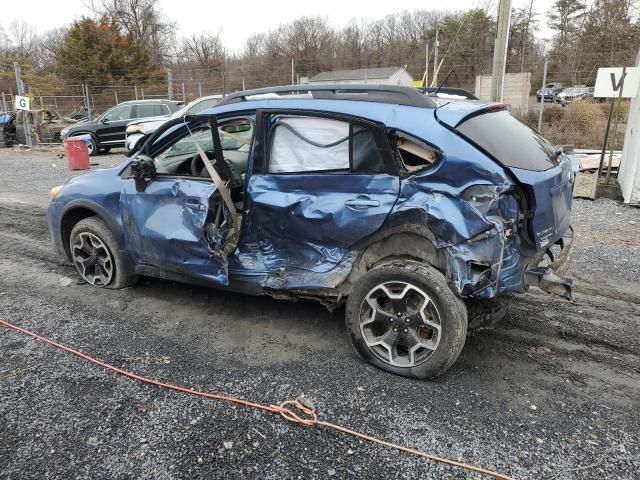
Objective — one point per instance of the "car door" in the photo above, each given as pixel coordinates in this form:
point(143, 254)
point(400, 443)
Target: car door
point(164, 224)
point(112, 125)
point(319, 184)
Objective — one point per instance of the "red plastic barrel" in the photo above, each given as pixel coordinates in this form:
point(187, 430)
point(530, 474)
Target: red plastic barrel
point(77, 153)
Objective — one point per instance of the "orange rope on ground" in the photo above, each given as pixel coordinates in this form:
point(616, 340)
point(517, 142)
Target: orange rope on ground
point(298, 411)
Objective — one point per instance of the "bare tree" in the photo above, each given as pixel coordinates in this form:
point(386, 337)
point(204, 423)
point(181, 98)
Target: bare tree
point(206, 51)
point(23, 37)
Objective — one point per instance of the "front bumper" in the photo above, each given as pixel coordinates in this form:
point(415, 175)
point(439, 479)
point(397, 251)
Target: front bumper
point(550, 265)
point(132, 140)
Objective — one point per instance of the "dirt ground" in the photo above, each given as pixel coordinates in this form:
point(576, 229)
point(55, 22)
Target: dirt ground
point(552, 393)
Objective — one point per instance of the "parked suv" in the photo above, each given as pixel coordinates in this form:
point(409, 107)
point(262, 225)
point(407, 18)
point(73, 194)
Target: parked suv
point(416, 213)
point(574, 94)
point(549, 91)
point(108, 130)
point(138, 130)
point(7, 129)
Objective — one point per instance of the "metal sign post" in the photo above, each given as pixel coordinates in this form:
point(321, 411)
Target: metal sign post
point(25, 113)
point(615, 125)
point(621, 82)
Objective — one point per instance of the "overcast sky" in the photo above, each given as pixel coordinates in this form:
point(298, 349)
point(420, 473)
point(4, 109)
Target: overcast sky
point(237, 20)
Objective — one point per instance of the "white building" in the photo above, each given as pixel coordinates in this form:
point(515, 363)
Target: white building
point(373, 76)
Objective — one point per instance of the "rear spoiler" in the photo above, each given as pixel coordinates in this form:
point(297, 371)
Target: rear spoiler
point(452, 114)
point(461, 92)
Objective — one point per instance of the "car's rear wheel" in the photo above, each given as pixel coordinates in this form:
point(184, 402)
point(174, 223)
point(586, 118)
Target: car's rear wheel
point(404, 318)
point(94, 252)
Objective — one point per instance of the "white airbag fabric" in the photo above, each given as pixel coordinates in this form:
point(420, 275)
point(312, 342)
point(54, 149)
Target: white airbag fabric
point(290, 153)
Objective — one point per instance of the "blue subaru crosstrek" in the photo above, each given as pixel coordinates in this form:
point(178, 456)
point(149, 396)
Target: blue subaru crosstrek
point(416, 212)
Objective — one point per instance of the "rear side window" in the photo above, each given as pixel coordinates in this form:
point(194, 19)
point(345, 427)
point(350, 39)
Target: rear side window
point(313, 144)
point(309, 145)
point(151, 110)
point(509, 141)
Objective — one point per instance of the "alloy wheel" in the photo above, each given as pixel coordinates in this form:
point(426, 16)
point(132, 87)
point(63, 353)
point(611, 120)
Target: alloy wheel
point(400, 324)
point(92, 259)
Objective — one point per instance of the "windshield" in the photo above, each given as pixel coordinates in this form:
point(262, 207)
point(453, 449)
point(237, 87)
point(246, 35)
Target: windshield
point(235, 136)
point(195, 107)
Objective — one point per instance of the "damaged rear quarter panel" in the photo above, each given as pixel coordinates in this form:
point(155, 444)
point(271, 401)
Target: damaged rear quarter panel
point(465, 207)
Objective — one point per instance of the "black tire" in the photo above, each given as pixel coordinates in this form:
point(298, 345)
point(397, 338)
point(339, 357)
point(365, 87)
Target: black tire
point(104, 149)
point(94, 226)
point(449, 308)
point(93, 147)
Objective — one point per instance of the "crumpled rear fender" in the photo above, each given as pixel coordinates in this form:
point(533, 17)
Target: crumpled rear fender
point(472, 219)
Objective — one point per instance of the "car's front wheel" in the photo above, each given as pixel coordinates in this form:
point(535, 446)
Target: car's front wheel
point(404, 318)
point(94, 252)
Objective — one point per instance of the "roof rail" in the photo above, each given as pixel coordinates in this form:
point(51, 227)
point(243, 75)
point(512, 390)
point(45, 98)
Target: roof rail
point(433, 91)
point(359, 92)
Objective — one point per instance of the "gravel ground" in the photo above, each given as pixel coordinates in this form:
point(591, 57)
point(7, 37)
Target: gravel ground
point(553, 392)
point(41, 168)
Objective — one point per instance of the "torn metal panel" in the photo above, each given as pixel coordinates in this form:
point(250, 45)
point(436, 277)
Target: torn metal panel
point(471, 223)
point(164, 226)
point(546, 279)
point(310, 221)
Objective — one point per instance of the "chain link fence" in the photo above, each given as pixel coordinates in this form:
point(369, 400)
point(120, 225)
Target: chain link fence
point(579, 120)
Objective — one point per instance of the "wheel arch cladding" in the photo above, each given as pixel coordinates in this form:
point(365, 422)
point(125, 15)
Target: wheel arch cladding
point(404, 242)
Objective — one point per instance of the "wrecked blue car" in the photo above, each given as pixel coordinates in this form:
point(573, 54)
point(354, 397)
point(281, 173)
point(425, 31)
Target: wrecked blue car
point(416, 213)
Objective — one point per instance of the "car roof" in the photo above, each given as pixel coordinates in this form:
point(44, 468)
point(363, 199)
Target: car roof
point(156, 100)
point(416, 120)
point(374, 94)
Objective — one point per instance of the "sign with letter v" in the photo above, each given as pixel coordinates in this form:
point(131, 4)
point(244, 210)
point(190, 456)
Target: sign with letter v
point(610, 80)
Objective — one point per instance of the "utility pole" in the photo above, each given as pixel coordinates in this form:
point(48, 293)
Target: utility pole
point(500, 50)
point(135, 89)
point(293, 70)
point(544, 82)
point(199, 89)
point(435, 59)
point(4, 104)
point(115, 92)
point(425, 80)
point(183, 95)
point(25, 121)
point(243, 87)
point(88, 102)
point(170, 83)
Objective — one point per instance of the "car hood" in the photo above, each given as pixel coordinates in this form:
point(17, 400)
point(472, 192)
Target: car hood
point(140, 121)
point(75, 127)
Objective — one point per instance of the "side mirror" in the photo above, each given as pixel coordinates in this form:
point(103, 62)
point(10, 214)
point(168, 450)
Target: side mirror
point(143, 171)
